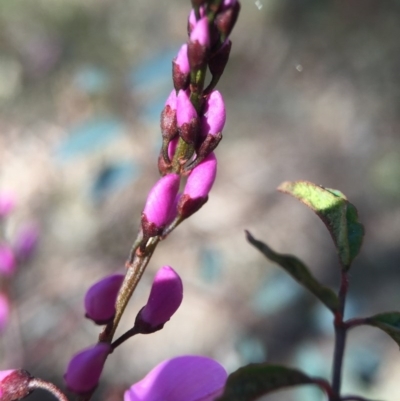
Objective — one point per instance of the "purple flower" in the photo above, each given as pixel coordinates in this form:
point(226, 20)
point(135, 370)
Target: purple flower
point(185, 110)
point(7, 260)
point(101, 297)
point(26, 241)
point(181, 69)
point(4, 312)
point(192, 21)
point(164, 300)
point(7, 203)
point(185, 378)
point(198, 186)
point(84, 369)
point(201, 32)
point(187, 118)
point(214, 116)
point(159, 203)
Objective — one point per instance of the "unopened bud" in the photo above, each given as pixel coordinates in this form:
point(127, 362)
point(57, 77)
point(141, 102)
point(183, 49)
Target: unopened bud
point(101, 297)
point(187, 118)
point(181, 69)
point(226, 18)
point(168, 117)
point(14, 384)
point(158, 206)
point(198, 186)
point(214, 115)
point(219, 60)
point(199, 44)
point(164, 300)
point(192, 20)
point(84, 369)
point(8, 263)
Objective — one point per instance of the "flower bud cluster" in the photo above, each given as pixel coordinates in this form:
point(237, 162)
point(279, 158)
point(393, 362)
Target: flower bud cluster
point(192, 119)
point(14, 252)
point(191, 126)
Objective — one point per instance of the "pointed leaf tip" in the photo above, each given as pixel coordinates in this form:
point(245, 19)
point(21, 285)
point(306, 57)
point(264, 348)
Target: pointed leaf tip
point(298, 270)
point(255, 380)
point(337, 213)
point(389, 322)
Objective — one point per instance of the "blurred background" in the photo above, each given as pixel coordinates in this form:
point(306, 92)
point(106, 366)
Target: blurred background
point(312, 92)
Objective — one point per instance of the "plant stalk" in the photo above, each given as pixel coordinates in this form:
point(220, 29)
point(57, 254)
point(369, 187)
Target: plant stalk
point(340, 336)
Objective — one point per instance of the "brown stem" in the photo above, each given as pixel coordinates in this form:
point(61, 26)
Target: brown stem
point(37, 383)
point(132, 278)
point(126, 336)
point(340, 336)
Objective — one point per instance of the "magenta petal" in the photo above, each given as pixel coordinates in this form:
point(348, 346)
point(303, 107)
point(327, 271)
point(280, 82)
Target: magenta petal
point(202, 178)
point(201, 32)
point(185, 110)
point(7, 203)
point(182, 60)
point(4, 311)
point(161, 199)
point(7, 260)
point(165, 297)
point(214, 117)
point(171, 100)
point(101, 297)
point(5, 373)
point(185, 378)
point(84, 369)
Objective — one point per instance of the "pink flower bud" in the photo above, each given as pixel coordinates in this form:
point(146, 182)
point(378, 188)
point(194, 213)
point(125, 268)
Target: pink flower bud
point(158, 205)
point(101, 297)
point(192, 21)
point(7, 203)
point(184, 378)
point(26, 241)
point(7, 261)
point(181, 69)
point(214, 116)
point(4, 312)
point(219, 60)
point(168, 117)
point(185, 110)
point(201, 32)
point(199, 45)
point(226, 18)
point(187, 118)
point(198, 186)
point(165, 298)
point(84, 369)
point(14, 384)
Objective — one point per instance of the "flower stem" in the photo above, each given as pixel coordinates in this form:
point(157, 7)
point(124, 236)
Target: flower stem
point(37, 383)
point(340, 336)
point(132, 278)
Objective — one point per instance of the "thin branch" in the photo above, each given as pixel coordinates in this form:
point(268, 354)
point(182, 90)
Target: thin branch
point(36, 383)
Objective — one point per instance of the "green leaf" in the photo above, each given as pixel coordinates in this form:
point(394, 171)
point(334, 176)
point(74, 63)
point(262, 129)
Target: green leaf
point(299, 272)
point(255, 380)
point(389, 322)
point(338, 214)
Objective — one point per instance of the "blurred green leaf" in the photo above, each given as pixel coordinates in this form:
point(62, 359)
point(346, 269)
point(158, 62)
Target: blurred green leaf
point(296, 268)
point(337, 213)
point(389, 322)
point(255, 380)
